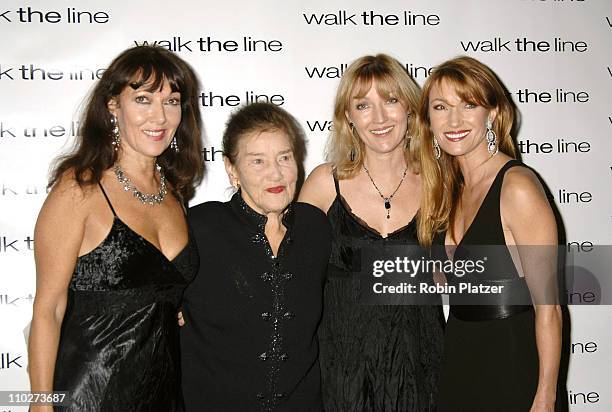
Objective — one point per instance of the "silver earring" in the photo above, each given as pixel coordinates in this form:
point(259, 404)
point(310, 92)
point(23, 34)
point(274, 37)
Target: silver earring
point(115, 132)
point(437, 151)
point(491, 139)
point(352, 155)
point(174, 145)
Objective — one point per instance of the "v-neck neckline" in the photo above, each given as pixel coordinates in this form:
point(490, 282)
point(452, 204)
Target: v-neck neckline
point(478, 211)
point(117, 220)
point(151, 245)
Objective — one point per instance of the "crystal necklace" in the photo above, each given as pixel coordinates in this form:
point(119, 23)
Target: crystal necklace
point(386, 199)
point(144, 198)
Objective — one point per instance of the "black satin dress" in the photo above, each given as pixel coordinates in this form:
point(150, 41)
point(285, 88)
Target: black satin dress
point(119, 344)
point(374, 358)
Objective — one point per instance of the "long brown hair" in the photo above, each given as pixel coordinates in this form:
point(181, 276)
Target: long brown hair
point(345, 150)
point(94, 152)
point(442, 181)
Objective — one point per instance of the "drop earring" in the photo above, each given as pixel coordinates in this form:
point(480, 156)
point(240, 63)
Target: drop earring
point(492, 147)
point(115, 132)
point(437, 150)
point(174, 145)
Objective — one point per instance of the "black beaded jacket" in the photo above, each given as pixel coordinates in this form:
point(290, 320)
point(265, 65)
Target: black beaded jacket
point(250, 339)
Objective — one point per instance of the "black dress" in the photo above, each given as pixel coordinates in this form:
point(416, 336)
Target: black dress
point(490, 358)
point(249, 342)
point(374, 358)
point(119, 343)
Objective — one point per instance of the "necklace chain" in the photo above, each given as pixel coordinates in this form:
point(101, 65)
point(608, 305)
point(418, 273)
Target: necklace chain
point(386, 199)
point(145, 198)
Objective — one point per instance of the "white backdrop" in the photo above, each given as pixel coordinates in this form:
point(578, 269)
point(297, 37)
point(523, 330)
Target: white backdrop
point(553, 55)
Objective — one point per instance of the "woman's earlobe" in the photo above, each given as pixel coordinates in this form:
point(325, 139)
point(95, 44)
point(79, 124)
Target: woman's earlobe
point(112, 106)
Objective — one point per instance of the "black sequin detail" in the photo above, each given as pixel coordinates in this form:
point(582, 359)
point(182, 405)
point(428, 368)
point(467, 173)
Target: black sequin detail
point(252, 342)
point(276, 279)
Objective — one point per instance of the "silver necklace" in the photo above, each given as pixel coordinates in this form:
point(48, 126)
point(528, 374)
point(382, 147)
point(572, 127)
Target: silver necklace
point(386, 199)
point(145, 198)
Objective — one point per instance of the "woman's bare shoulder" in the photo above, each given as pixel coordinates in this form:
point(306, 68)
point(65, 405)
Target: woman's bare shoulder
point(319, 189)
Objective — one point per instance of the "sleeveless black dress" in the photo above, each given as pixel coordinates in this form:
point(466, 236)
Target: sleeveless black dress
point(490, 358)
point(119, 343)
point(374, 358)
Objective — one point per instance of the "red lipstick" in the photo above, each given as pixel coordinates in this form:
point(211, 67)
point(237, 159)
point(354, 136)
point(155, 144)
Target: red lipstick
point(275, 189)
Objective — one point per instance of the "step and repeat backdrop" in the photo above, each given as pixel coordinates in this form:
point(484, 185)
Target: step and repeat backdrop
point(554, 56)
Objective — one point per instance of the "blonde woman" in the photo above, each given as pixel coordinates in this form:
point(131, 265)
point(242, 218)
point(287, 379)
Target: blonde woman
point(373, 357)
point(502, 355)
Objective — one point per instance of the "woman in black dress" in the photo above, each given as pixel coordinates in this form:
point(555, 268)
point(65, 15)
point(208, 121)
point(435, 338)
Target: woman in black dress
point(501, 353)
point(250, 342)
point(111, 259)
point(373, 357)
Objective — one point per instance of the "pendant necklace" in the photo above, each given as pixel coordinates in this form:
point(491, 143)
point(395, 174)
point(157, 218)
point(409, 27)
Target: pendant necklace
point(145, 198)
point(386, 199)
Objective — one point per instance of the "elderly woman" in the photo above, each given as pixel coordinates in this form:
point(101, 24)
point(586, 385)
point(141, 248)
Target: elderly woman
point(373, 357)
point(113, 252)
point(252, 313)
point(501, 352)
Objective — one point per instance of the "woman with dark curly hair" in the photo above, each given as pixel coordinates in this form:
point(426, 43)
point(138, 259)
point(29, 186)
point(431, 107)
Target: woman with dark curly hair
point(113, 251)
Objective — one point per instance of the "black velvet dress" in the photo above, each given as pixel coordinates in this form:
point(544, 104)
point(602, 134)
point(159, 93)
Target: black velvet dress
point(250, 341)
point(119, 343)
point(374, 358)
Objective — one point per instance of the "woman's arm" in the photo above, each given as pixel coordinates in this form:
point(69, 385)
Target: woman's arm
point(319, 189)
point(58, 237)
point(528, 215)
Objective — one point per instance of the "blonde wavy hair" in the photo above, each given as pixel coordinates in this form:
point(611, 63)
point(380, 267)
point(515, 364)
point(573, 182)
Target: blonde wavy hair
point(345, 150)
point(442, 181)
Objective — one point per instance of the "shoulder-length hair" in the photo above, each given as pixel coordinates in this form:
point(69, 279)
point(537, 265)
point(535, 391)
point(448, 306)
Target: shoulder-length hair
point(345, 150)
point(442, 182)
point(135, 67)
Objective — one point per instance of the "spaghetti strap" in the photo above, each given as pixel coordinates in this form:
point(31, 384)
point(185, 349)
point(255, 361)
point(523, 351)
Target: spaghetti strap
point(107, 200)
point(336, 183)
